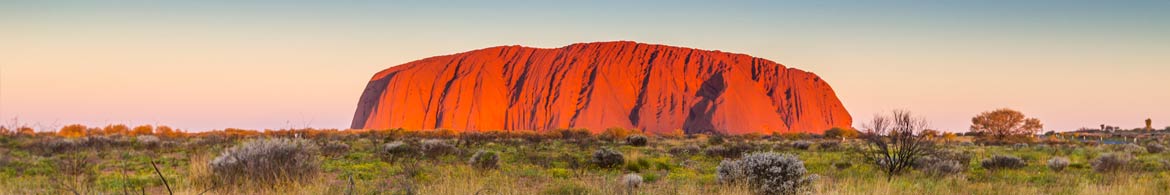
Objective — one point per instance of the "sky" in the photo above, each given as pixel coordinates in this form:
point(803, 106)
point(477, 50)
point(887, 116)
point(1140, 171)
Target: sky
point(202, 65)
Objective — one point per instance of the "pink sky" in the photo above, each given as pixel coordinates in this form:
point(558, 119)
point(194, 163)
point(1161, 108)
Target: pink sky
point(253, 66)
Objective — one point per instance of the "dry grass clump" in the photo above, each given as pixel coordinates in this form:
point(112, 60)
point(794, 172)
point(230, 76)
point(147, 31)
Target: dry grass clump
point(4, 159)
point(50, 146)
point(1129, 148)
point(1003, 162)
point(334, 149)
point(485, 160)
point(265, 162)
point(435, 147)
point(802, 145)
point(829, 145)
point(732, 150)
point(939, 166)
point(397, 150)
point(148, 141)
point(717, 151)
point(1111, 162)
point(943, 162)
point(101, 142)
point(685, 151)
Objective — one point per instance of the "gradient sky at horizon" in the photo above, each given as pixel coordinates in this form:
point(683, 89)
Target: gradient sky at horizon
point(204, 65)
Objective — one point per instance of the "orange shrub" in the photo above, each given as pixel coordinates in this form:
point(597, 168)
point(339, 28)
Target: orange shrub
point(675, 134)
point(116, 129)
point(73, 131)
point(142, 130)
point(165, 131)
point(615, 134)
point(26, 131)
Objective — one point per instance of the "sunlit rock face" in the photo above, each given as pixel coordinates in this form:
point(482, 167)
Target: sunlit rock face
point(653, 88)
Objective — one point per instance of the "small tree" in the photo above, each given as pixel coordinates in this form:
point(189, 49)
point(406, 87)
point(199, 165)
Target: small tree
point(895, 142)
point(1004, 123)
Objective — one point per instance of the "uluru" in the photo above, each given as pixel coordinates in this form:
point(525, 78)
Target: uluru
point(648, 87)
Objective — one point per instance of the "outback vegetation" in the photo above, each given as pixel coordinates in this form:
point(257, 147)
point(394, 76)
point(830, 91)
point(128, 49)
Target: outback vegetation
point(892, 154)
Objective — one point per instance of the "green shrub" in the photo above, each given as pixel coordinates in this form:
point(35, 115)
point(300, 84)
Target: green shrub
point(638, 165)
point(651, 177)
point(560, 173)
point(567, 189)
point(842, 165)
point(663, 164)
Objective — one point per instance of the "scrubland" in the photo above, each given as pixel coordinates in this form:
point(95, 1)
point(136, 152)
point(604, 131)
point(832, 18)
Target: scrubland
point(556, 162)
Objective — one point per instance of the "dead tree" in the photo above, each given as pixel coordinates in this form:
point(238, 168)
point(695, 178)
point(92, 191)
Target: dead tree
point(894, 142)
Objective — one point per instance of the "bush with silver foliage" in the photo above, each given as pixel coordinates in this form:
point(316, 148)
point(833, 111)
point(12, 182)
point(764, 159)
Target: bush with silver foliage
point(637, 140)
point(432, 148)
point(1058, 163)
point(1112, 162)
point(1154, 148)
point(768, 173)
point(632, 180)
point(398, 150)
point(803, 145)
point(1003, 162)
point(266, 162)
point(728, 171)
point(607, 158)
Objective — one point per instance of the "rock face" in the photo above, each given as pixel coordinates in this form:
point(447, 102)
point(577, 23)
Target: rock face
point(653, 88)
